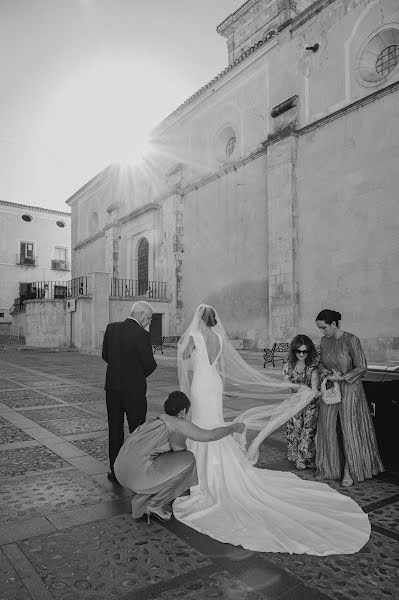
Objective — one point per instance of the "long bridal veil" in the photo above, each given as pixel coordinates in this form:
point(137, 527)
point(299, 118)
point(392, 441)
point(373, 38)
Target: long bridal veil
point(279, 401)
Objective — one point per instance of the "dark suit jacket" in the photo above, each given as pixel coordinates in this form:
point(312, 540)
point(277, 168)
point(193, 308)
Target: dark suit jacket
point(127, 350)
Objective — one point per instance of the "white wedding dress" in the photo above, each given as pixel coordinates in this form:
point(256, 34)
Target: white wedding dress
point(267, 511)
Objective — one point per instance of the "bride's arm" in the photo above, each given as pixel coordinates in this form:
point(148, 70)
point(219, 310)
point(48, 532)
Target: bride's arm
point(192, 432)
point(221, 365)
point(189, 348)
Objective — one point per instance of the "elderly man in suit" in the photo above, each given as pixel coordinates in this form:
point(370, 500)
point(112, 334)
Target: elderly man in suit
point(127, 350)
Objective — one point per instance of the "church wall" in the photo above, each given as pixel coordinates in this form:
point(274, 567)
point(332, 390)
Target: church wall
point(225, 251)
point(90, 258)
point(348, 243)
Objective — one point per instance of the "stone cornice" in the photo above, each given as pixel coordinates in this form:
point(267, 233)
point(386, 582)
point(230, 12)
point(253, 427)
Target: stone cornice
point(132, 215)
point(36, 208)
point(225, 170)
point(139, 211)
point(394, 87)
point(91, 239)
point(95, 183)
point(310, 12)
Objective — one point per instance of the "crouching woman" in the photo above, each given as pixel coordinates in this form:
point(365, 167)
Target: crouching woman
point(154, 461)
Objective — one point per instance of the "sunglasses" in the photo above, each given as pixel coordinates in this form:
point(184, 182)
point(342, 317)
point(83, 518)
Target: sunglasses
point(302, 352)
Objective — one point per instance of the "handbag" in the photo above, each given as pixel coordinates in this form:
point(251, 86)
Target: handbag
point(331, 395)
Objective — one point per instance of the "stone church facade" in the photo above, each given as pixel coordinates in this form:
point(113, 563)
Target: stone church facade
point(271, 193)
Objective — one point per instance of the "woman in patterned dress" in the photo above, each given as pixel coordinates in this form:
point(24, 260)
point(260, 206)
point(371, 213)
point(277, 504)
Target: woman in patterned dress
point(342, 357)
point(301, 366)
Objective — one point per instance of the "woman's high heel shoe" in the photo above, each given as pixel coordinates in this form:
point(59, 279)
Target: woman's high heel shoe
point(160, 514)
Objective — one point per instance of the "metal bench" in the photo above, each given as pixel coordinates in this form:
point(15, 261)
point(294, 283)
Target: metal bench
point(167, 341)
point(278, 351)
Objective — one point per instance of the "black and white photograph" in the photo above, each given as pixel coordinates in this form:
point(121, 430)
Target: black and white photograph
point(199, 300)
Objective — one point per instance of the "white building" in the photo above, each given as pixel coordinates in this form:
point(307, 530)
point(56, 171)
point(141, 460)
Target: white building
point(35, 246)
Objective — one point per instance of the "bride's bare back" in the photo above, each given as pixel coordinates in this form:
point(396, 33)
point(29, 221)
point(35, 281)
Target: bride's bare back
point(212, 344)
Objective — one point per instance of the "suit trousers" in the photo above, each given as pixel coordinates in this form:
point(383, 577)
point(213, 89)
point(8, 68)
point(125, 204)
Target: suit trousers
point(118, 403)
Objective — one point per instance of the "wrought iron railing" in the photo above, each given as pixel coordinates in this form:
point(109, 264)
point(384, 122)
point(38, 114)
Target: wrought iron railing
point(43, 290)
point(136, 288)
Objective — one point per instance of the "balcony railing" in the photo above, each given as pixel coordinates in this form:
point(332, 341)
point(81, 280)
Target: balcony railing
point(50, 290)
point(26, 261)
point(59, 265)
point(136, 288)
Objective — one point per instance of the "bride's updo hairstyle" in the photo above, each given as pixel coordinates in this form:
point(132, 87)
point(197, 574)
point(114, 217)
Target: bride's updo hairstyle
point(175, 403)
point(329, 316)
point(209, 316)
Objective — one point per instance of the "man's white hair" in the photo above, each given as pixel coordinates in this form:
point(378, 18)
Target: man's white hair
point(141, 306)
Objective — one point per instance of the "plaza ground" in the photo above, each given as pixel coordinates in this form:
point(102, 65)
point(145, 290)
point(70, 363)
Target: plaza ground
point(66, 531)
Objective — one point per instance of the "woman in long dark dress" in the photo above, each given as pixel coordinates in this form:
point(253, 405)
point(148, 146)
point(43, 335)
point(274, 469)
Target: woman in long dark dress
point(154, 461)
point(301, 367)
point(341, 355)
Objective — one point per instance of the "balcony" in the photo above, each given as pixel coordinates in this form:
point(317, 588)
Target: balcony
point(52, 290)
point(132, 288)
point(59, 265)
point(26, 261)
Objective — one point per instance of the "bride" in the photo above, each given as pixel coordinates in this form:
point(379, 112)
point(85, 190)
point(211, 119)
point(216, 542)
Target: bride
point(234, 502)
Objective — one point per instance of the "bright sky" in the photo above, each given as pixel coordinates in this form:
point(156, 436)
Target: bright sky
point(83, 82)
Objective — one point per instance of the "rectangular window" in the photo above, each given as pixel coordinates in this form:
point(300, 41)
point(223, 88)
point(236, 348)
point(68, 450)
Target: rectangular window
point(26, 253)
point(60, 254)
point(1, 315)
point(60, 259)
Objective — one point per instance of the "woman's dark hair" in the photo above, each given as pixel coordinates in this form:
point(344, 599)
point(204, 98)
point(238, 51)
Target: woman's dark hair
point(329, 316)
point(209, 316)
point(175, 403)
point(297, 342)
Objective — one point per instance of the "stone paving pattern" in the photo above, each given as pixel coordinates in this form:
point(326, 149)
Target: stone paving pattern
point(26, 397)
point(109, 557)
point(66, 531)
point(23, 460)
point(10, 433)
point(97, 447)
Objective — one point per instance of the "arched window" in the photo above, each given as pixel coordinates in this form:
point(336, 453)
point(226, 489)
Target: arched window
point(93, 222)
point(142, 266)
point(379, 57)
point(225, 144)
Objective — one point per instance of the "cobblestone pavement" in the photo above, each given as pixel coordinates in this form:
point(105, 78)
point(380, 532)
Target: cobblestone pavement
point(66, 531)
